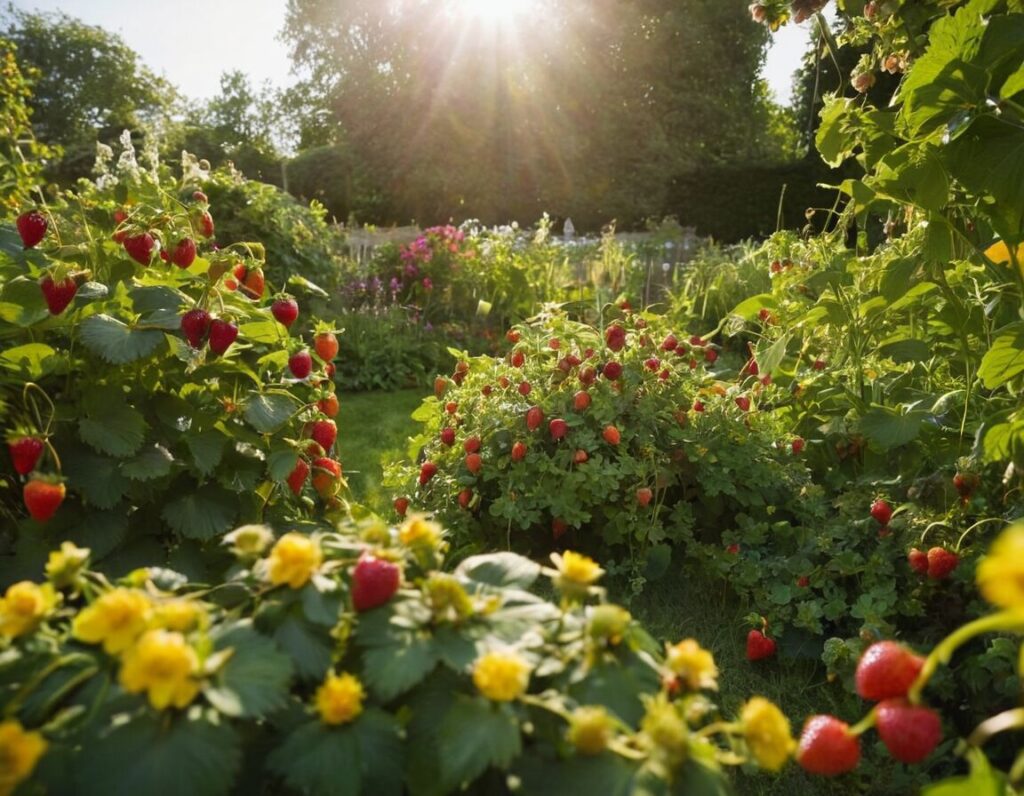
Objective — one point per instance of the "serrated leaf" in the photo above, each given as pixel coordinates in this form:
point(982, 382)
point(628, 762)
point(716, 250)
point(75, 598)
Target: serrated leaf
point(255, 680)
point(606, 774)
point(116, 343)
point(321, 602)
point(500, 569)
point(318, 759)
point(308, 645)
point(154, 462)
point(908, 350)
point(97, 478)
point(888, 429)
point(207, 448)
point(203, 514)
point(475, 735)
point(260, 332)
point(393, 670)
point(21, 303)
point(152, 298)
point(268, 412)
point(1005, 359)
point(111, 426)
point(30, 361)
point(280, 464)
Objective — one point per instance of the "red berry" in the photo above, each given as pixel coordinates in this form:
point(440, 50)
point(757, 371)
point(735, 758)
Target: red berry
point(58, 295)
point(298, 476)
point(752, 368)
point(827, 747)
point(558, 528)
point(326, 477)
point(465, 498)
point(941, 562)
point(588, 376)
point(401, 506)
point(184, 253)
point(448, 436)
point(697, 341)
point(471, 445)
point(887, 670)
point(803, 581)
point(222, 334)
point(710, 355)
point(615, 337)
point(474, 463)
point(611, 435)
point(776, 267)
point(42, 498)
point(909, 732)
point(31, 228)
point(286, 310)
point(558, 428)
point(881, 511)
point(374, 582)
point(254, 283)
point(580, 457)
point(798, 445)
point(205, 223)
point(25, 453)
point(534, 417)
point(199, 196)
point(440, 386)
point(581, 400)
point(140, 247)
point(670, 343)
point(512, 336)
point(451, 407)
point(326, 345)
point(698, 406)
point(427, 471)
point(195, 325)
point(759, 646)
point(324, 433)
point(643, 496)
point(329, 405)
point(518, 358)
point(733, 549)
point(524, 388)
point(300, 364)
point(518, 451)
point(612, 371)
point(503, 382)
point(554, 344)
point(819, 364)
point(918, 560)
point(743, 402)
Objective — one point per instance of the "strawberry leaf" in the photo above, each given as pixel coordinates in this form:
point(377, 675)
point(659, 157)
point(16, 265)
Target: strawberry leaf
point(201, 514)
point(254, 681)
point(116, 343)
point(475, 735)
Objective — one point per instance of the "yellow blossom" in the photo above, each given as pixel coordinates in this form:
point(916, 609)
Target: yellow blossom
point(576, 569)
point(24, 606)
point(999, 253)
point(164, 666)
point(418, 531)
point(63, 566)
point(590, 730)
point(501, 676)
point(664, 729)
point(116, 619)
point(249, 541)
point(181, 615)
point(694, 665)
point(767, 732)
point(448, 599)
point(340, 699)
point(20, 750)
point(293, 560)
point(1000, 574)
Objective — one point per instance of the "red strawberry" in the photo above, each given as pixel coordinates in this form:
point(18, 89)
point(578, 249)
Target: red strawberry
point(503, 382)
point(558, 428)
point(581, 400)
point(766, 317)
point(471, 445)
point(199, 196)
point(965, 483)
point(559, 527)
point(462, 367)
point(881, 511)
point(803, 581)
point(588, 376)
point(697, 341)
point(486, 390)
point(474, 463)
point(612, 371)
point(564, 364)
point(615, 337)
point(31, 227)
point(670, 343)
point(518, 452)
point(743, 402)
point(643, 496)
point(25, 453)
point(448, 436)
point(733, 549)
point(698, 406)
point(298, 476)
point(140, 247)
point(611, 435)
point(43, 497)
point(776, 267)
point(465, 498)
point(751, 368)
point(652, 364)
point(580, 457)
point(326, 476)
point(401, 506)
point(329, 405)
point(573, 360)
point(195, 325)
point(887, 670)
point(819, 364)
point(512, 336)
point(518, 358)
point(941, 562)
point(440, 386)
point(58, 295)
point(326, 345)
point(300, 364)
point(759, 646)
point(909, 732)
point(427, 471)
point(286, 310)
point(324, 433)
point(534, 417)
point(554, 344)
point(222, 334)
point(374, 582)
point(710, 355)
point(524, 388)
point(254, 283)
point(184, 253)
point(205, 223)
point(798, 445)
point(827, 747)
point(918, 561)
point(330, 370)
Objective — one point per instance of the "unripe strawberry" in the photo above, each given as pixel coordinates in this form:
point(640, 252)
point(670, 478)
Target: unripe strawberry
point(612, 371)
point(558, 428)
point(195, 325)
point(615, 337)
point(524, 388)
point(519, 451)
point(140, 247)
point(285, 310)
point(881, 511)
point(759, 646)
point(222, 334)
point(918, 560)
point(465, 498)
point(909, 732)
point(534, 417)
point(886, 670)
point(298, 476)
point(42, 497)
point(324, 433)
point(427, 471)
point(326, 476)
point(326, 345)
point(401, 506)
point(941, 562)
point(184, 254)
point(448, 436)
point(329, 405)
point(580, 457)
point(31, 227)
point(611, 435)
point(300, 364)
point(581, 400)
point(827, 747)
point(25, 453)
point(374, 582)
point(471, 445)
point(57, 295)
point(440, 386)
point(644, 496)
point(474, 463)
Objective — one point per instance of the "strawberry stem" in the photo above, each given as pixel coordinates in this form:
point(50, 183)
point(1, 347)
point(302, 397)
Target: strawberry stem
point(865, 723)
point(1007, 720)
point(979, 522)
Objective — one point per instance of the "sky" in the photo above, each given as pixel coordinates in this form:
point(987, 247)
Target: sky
point(191, 42)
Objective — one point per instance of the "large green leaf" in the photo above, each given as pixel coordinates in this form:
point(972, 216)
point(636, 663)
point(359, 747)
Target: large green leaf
point(606, 774)
point(475, 735)
point(500, 569)
point(888, 429)
point(21, 303)
point(207, 448)
point(392, 670)
point(30, 361)
point(308, 645)
point(254, 682)
point(202, 513)
point(268, 412)
point(1005, 359)
point(833, 139)
point(97, 478)
point(117, 343)
point(110, 425)
point(152, 463)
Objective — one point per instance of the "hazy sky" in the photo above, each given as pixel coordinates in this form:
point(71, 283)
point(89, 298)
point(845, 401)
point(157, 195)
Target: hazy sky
point(191, 42)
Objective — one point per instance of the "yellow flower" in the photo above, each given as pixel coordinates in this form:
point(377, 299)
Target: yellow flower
point(663, 728)
point(694, 665)
point(116, 619)
point(501, 676)
point(24, 606)
point(418, 531)
point(448, 599)
point(19, 753)
point(164, 666)
point(999, 253)
point(181, 615)
point(768, 735)
point(340, 699)
point(1000, 574)
point(575, 569)
point(590, 730)
point(249, 541)
point(63, 566)
point(293, 560)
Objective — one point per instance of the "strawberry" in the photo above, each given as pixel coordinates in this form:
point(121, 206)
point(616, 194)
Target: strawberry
point(554, 344)
point(517, 359)
point(330, 370)
point(518, 451)
point(710, 356)
point(465, 497)
point(941, 562)
point(581, 400)
point(819, 364)
point(918, 561)
point(573, 360)
point(766, 316)
point(534, 417)
point(329, 405)
point(564, 365)
point(427, 471)
point(326, 476)
point(698, 406)
point(612, 371)
point(43, 497)
point(326, 345)
point(140, 247)
point(733, 549)
point(643, 496)
point(205, 224)
point(827, 747)
point(374, 582)
point(298, 476)
point(199, 196)
point(503, 382)
point(300, 364)
point(471, 445)
point(759, 646)
point(615, 337)
point(440, 386)
point(559, 527)
point(743, 402)
point(451, 407)
point(664, 374)
point(58, 295)
point(580, 457)
point(286, 310)
point(886, 670)
point(881, 511)
point(31, 228)
point(611, 435)
point(558, 428)
point(697, 341)
point(751, 368)
point(184, 253)
point(474, 463)
point(486, 390)
point(803, 581)
point(512, 336)
point(588, 376)
point(670, 343)
point(25, 453)
point(195, 325)
point(909, 732)
point(462, 367)
point(324, 433)
point(401, 506)
point(222, 334)
point(120, 216)
point(448, 436)
point(798, 445)
point(254, 283)
point(524, 388)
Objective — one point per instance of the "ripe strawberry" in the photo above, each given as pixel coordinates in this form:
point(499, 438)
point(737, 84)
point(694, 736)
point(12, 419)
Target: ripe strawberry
point(286, 310)
point(588, 376)
point(486, 390)
point(253, 284)
point(909, 732)
point(58, 295)
point(140, 247)
point(298, 476)
point(205, 224)
point(401, 506)
point(670, 343)
point(941, 562)
point(559, 527)
point(612, 371)
point(887, 670)
point(765, 315)
point(324, 433)
point(326, 345)
point(451, 407)
point(518, 358)
point(374, 582)
point(581, 400)
point(518, 451)
point(329, 405)
point(611, 435)
point(465, 498)
point(819, 364)
point(664, 374)
point(918, 561)
point(326, 476)
point(199, 196)
point(474, 463)
point(751, 368)
point(573, 360)
point(697, 341)
point(798, 445)
point(448, 436)
point(31, 228)
point(25, 453)
point(184, 253)
point(881, 511)
point(615, 337)
point(330, 370)
point(580, 457)
point(743, 402)
point(564, 365)
point(803, 581)
point(733, 549)
point(195, 325)
point(558, 428)
point(427, 471)
point(643, 496)
point(965, 484)
point(120, 216)
point(471, 445)
point(759, 646)
point(827, 747)
point(775, 267)
point(698, 406)
point(222, 334)
point(524, 388)
point(43, 497)
point(710, 356)
point(300, 364)
point(462, 367)
point(554, 344)
point(534, 417)
point(512, 336)
point(440, 386)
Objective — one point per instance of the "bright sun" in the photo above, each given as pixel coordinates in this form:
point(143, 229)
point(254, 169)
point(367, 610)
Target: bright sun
point(496, 11)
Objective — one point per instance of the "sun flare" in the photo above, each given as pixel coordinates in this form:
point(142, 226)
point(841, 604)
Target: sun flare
point(496, 11)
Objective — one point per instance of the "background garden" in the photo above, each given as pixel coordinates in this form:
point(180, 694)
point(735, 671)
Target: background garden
point(501, 503)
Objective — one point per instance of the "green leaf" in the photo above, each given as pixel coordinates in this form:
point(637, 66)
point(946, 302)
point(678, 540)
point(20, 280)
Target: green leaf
point(203, 513)
point(255, 680)
point(749, 308)
point(207, 448)
point(1014, 84)
point(381, 753)
point(833, 140)
point(260, 332)
point(30, 361)
point(268, 412)
point(308, 645)
point(300, 281)
point(97, 478)
point(154, 462)
point(500, 569)
point(1005, 359)
point(115, 342)
point(770, 360)
point(281, 463)
point(616, 687)
point(183, 755)
point(321, 601)
point(21, 303)
point(392, 670)
point(111, 426)
point(888, 429)
point(605, 774)
point(318, 759)
point(475, 735)
point(983, 780)
point(908, 350)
